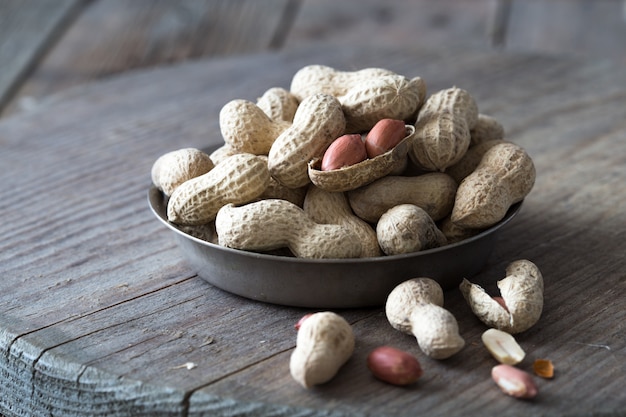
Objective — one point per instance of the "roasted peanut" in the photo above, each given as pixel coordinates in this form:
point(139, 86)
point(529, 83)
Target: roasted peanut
point(415, 307)
point(315, 79)
point(333, 208)
point(455, 233)
point(271, 224)
point(174, 168)
point(487, 128)
point(238, 179)
point(324, 344)
point(278, 104)
point(246, 128)
point(433, 192)
point(471, 160)
point(318, 121)
point(385, 97)
point(443, 129)
point(504, 176)
point(407, 228)
point(522, 294)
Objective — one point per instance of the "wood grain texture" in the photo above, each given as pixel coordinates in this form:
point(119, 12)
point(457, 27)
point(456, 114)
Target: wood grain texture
point(590, 29)
point(21, 47)
point(113, 36)
point(394, 23)
point(99, 312)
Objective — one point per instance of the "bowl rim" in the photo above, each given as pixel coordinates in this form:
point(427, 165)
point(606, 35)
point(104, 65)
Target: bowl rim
point(154, 193)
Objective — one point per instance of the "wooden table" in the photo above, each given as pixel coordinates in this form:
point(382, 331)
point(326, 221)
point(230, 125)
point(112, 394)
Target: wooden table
point(101, 315)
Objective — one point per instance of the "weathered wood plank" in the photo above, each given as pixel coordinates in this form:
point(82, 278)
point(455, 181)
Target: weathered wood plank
point(590, 29)
point(114, 36)
point(97, 290)
point(21, 46)
point(394, 23)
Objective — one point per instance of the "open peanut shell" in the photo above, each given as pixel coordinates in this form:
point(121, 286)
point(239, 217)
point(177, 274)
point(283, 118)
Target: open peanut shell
point(362, 173)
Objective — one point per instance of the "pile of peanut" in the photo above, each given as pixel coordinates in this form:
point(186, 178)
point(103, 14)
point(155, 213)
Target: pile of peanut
point(365, 163)
point(326, 342)
point(347, 164)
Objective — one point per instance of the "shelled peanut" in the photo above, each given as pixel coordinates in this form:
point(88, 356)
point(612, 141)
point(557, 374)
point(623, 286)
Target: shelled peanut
point(344, 118)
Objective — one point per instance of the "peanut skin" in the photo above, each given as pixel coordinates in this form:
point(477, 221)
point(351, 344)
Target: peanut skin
point(385, 134)
point(394, 366)
point(346, 150)
point(514, 382)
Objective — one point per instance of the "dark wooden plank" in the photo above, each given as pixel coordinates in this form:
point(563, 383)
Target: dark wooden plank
point(27, 29)
point(394, 23)
point(100, 313)
point(114, 36)
point(591, 29)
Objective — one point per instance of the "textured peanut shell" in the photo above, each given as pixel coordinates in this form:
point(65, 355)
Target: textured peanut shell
point(434, 192)
point(319, 120)
point(333, 208)
point(441, 140)
point(278, 104)
point(436, 331)
point(415, 307)
point(522, 291)
point(276, 190)
point(384, 97)
point(407, 296)
point(456, 101)
point(271, 224)
point(174, 168)
point(487, 128)
point(316, 79)
point(362, 173)
point(505, 175)
point(324, 344)
point(470, 160)
point(238, 179)
point(246, 128)
point(221, 153)
point(455, 233)
point(204, 232)
point(406, 228)
point(443, 129)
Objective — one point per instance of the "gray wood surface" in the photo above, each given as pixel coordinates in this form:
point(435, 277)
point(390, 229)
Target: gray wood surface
point(27, 29)
point(114, 36)
point(99, 312)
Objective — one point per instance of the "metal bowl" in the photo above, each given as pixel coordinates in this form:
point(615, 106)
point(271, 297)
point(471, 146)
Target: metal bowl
point(328, 283)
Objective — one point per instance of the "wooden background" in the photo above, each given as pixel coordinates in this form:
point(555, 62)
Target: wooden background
point(49, 45)
point(90, 277)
